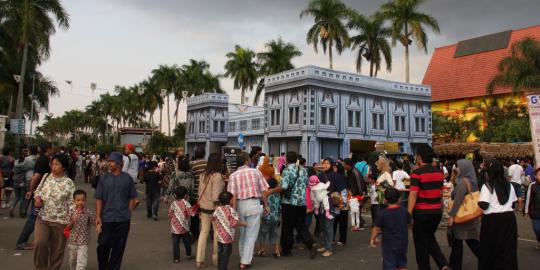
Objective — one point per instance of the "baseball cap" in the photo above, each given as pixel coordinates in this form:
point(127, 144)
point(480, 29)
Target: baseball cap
point(116, 157)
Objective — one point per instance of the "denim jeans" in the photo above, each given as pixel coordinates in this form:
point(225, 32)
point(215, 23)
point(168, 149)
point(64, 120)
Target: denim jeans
point(176, 244)
point(19, 198)
point(152, 204)
point(249, 212)
point(536, 228)
point(224, 253)
point(28, 228)
point(328, 231)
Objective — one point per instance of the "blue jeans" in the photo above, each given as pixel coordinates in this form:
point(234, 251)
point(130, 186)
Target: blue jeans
point(19, 198)
point(249, 212)
point(328, 231)
point(152, 204)
point(28, 228)
point(536, 228)
point(224, 253)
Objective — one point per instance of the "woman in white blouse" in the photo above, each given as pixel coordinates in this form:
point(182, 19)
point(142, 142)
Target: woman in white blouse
point(498, 233)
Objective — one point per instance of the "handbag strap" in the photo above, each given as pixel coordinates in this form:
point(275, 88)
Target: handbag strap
point(205, 186)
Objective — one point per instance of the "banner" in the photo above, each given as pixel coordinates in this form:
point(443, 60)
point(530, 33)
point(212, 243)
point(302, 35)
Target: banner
point(534, 118)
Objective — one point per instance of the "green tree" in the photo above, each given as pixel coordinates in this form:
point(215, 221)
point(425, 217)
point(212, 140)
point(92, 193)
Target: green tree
point(520, 70)
point(159, 143)
point(408, 23)
point(329, 28)
point(371, 42)
point(30, 23)
point(167, 77)
point(241, 67)
point(277, 58)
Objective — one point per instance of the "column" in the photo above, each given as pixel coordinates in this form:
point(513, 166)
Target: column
point(313, 152)
point(345, 147)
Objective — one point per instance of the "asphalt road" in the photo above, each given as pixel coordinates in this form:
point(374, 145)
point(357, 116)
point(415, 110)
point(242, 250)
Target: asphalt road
point(149, 247)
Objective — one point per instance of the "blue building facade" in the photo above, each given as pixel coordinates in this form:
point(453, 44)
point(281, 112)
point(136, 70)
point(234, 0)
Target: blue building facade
point(319, 113)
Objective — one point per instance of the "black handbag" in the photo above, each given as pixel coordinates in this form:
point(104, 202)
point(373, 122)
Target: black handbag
point(288, 192)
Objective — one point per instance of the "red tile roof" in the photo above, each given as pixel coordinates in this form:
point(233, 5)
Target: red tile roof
point(467, 76)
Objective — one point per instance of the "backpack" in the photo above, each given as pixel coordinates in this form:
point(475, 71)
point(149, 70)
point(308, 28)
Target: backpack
point(360, 181)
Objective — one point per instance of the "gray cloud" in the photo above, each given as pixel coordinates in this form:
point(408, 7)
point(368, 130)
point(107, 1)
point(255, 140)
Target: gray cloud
point(121, 41)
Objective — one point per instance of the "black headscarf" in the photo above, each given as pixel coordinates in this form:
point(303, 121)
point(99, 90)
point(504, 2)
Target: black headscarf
point(498, 183)
point(337, 181)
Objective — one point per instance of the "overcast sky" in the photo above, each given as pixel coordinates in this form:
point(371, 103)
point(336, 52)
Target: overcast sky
point(118, 42)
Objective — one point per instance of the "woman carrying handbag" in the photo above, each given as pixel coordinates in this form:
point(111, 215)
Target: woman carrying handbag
point(468, 231)
point(211, 184)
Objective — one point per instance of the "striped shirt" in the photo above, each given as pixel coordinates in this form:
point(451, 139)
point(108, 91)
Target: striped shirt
point(428, 182)
point(180, 215)
point(247, 183)
point(198, 167)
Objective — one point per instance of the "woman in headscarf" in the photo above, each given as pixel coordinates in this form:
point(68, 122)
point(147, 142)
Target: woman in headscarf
point(498, 232)
point(342, 218)
point(337, 184)
point(469, 231)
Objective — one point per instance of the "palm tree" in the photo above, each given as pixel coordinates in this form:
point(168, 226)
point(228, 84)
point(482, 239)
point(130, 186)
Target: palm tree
point(31, 23)
point(277, 58)
point(520, 70)
point(407, 24)
point(329, 28)
point(371, 42)
point(166, 77)
point(242, 67)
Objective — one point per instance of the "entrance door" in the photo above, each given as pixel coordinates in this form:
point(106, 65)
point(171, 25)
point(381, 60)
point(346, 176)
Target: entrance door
point(293, 145)
point(274, 148)
point(330, 148)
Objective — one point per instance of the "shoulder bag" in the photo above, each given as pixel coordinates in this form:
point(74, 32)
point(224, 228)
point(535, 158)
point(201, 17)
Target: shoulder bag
point(469, 209)
point(288, 193)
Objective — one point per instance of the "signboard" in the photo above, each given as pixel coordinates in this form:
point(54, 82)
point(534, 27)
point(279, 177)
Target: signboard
point(241, 140)
point(534, 118)
point(230, 154)
point(17, 126)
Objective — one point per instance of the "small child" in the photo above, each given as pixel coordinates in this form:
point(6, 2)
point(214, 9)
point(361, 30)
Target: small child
point(79, 232)
point(153, 180)
point(354, 205)
point(319, 194)
point(393, 223)
point(269, 231)
point(180, 214)
point(375, 206)
point(225, 219)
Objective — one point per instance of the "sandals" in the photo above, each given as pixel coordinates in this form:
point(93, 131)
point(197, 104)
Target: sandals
point(276, 255)
point(260, 253)
point(201, 265)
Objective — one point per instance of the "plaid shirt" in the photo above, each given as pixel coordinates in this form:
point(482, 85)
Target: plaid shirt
point(246, 183)
point(80, 232)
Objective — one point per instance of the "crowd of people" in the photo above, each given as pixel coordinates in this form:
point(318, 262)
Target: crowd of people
point(274, 203)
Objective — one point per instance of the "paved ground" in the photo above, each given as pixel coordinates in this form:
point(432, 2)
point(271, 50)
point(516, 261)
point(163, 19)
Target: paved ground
point(149, 247)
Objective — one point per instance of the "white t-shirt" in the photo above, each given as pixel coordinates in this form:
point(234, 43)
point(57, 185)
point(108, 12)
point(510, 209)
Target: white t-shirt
point(515, 171)
point(494, 206)
point(131, 166)
point(373, 195)
point(398, 176)
point(385, 177)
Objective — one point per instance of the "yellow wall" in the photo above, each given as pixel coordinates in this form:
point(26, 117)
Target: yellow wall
point(457, 107)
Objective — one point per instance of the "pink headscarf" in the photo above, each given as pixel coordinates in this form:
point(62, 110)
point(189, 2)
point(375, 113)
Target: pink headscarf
point(281, 163)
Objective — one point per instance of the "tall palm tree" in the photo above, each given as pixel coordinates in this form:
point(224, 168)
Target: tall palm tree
point(31, 23)
point(520, 70)
point(329, 27)
point(166, 77)
point(371, 42)
point(242, 67)
point(277, 58)
point(408, 23)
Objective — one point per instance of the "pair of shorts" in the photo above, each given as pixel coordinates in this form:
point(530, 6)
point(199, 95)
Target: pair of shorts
point(517, 188)
point(269, 232)
point(394, 258)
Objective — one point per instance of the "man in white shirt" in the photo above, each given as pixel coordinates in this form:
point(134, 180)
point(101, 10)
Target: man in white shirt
point(131, 162)
point(515, 171)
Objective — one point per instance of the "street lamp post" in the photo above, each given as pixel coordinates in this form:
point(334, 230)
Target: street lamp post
point(32, 106)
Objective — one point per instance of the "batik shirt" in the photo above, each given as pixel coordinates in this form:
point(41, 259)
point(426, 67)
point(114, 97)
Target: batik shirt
point(80, 232)
point(226, 219)
point(288, 179)
point(57, 197)
point(274, 203)
point(180, 214)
